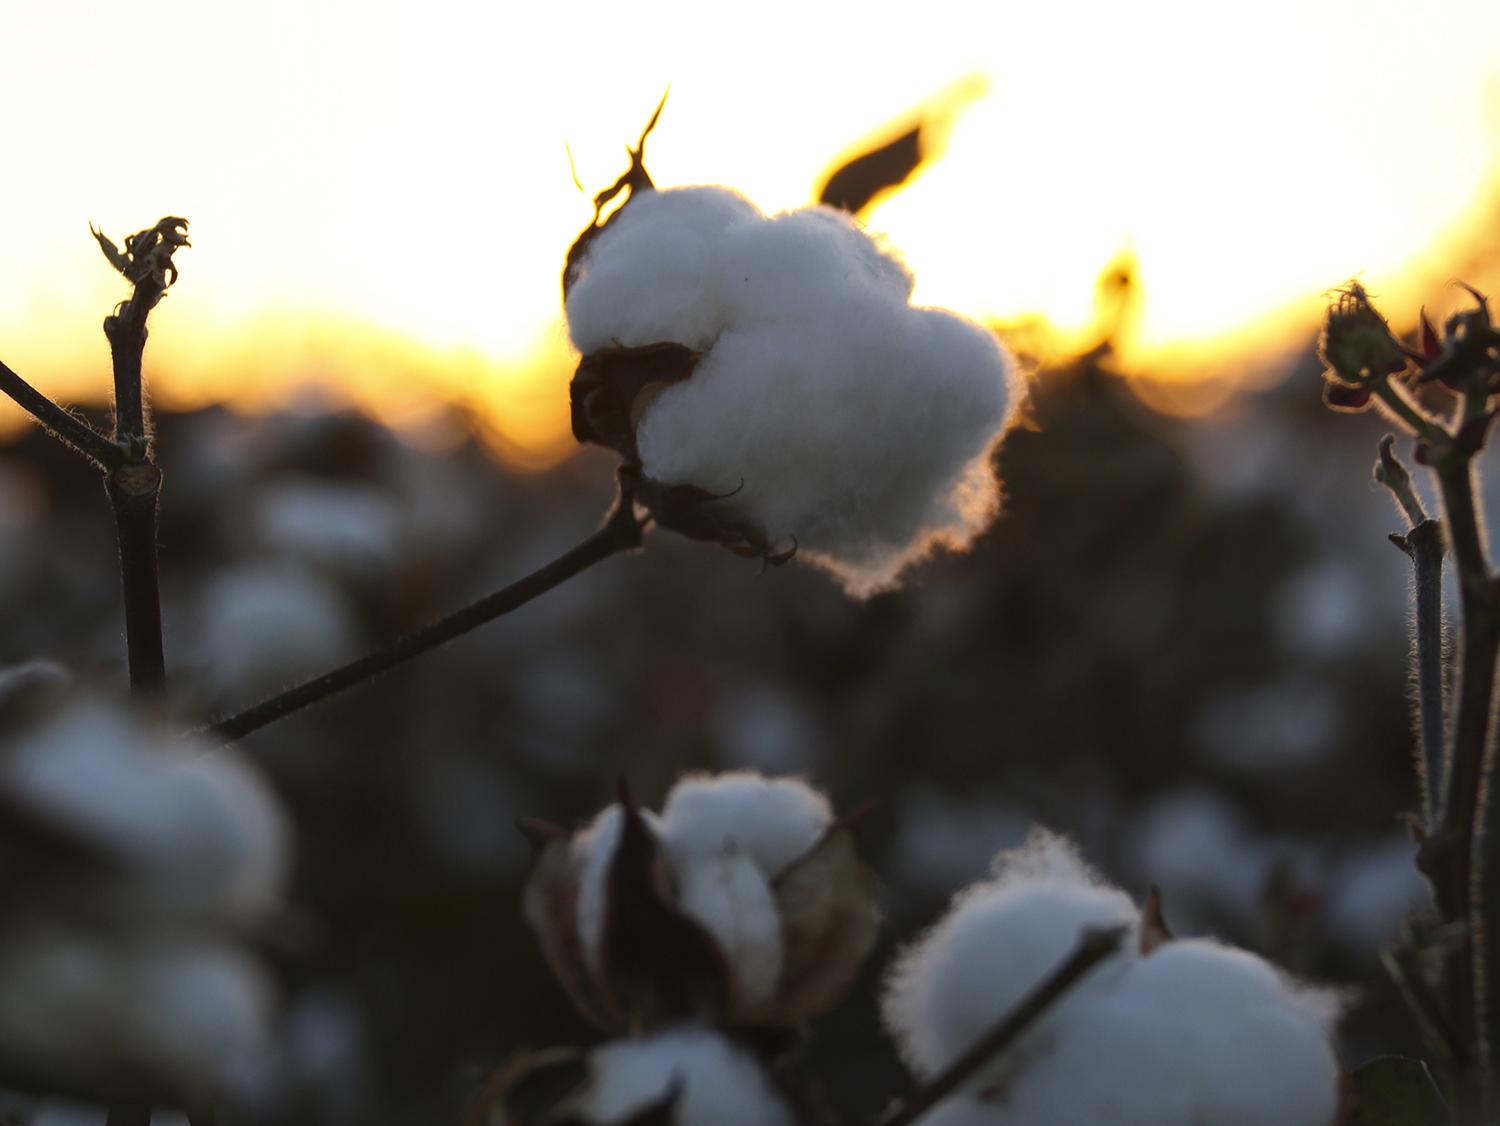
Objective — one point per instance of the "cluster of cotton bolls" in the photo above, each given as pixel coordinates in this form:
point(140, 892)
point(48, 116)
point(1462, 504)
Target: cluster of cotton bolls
point(138, 865)
point(1168, 1032)
point(807, 405)
point(743, 903)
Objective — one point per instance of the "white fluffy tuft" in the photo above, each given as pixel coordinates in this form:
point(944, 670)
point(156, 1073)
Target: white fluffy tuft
point(1193, 1032)
point(775, 820)
point(732, 898)
point(997, 943)
point(716, 1082)
point(839, 415)
point(1196, 1032)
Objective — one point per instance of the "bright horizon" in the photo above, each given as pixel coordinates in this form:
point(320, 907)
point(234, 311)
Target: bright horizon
point(381, 196)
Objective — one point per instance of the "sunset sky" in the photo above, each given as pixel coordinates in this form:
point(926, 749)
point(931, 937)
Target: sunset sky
point(380, 194)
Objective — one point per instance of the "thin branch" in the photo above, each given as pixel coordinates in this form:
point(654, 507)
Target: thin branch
point(1424, 545)
point(77, 435)
point(620, 532)
point(1093, 947)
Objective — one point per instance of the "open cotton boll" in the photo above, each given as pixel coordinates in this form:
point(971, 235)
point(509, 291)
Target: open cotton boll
point(864, 437)
point(196, 832)
point(651, 275)
point(716, 1083)
point(98, 1012)
point(1195, 1032)
point(774, 820)
point(729, 895)
point(999, 941)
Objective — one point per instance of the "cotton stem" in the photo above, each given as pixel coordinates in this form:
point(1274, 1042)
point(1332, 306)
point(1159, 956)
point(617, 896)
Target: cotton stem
point(620, 532)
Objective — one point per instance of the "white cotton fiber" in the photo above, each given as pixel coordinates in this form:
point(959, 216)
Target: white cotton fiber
point(840, 417)
point(716, 1082)
point(650, 275)
point(730, 896)
point(1196, 1032)
point(1000, 941)
point(774, 820)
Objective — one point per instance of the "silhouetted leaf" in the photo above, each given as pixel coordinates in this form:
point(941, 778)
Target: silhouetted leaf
point(853, 185)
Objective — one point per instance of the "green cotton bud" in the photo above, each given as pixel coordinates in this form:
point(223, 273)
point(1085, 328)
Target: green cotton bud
point(1357, 344)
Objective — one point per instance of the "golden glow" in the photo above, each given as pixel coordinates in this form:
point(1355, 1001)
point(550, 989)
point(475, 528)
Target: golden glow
point(381, 198)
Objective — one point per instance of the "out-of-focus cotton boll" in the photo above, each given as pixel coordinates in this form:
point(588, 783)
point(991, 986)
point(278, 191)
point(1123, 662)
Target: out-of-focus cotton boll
point(652, 274)
point(774, 820)
point(94, 1012)
point(351, 530)
point(1195, 1032)
point(195, 832)
point(999, 941)
point(824, 410)
point(265, 625)
point(1370, 892)
point(715, 1082)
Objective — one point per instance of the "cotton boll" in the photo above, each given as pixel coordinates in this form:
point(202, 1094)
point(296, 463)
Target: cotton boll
point(98, 1011)
point(197, 832)
point(774, 820)
point(352, 530)
point(650, 275)
point(1195, 1032)
point(731, 897)
point(715, 1082)
point(265, 625)
point(999, 941)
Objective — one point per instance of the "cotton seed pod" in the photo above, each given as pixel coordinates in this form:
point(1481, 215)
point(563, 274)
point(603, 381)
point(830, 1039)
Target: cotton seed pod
point(647, 920)
point(1356, 343)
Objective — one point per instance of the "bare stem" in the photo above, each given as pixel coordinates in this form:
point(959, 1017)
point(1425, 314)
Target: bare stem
point(77, 435)
point(620, 532)
point(1093, 947)
point(1424, 545)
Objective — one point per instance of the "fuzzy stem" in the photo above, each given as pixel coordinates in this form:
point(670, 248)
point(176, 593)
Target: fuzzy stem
point(620, 532)
point(1424, 545)
point(134, 492)
point(1093, 947)
point(77, 435)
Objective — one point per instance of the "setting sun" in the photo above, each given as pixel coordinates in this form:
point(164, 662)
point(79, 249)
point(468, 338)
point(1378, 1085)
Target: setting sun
point(381, 195)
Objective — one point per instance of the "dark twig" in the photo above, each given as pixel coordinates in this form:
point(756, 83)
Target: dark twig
point(77, 435)
point(620, 532)
point(1093, 947)
point(1423, 544)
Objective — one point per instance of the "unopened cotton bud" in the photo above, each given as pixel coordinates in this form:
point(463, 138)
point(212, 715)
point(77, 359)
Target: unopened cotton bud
point(1356, 343)
point(701, 1075)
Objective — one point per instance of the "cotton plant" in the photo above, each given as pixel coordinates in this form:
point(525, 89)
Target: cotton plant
point(771, 387)
point(700, 937)
point(1165, 1032)
point(144, 868)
